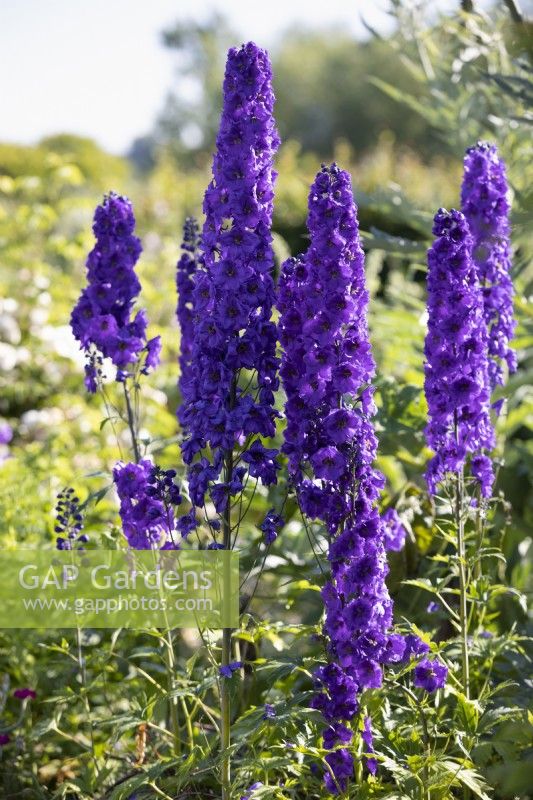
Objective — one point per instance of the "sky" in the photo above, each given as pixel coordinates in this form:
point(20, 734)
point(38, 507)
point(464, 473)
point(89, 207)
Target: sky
point(97, 67)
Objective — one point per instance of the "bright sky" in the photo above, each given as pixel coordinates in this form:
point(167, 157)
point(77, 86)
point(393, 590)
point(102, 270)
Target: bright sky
point(97, 67)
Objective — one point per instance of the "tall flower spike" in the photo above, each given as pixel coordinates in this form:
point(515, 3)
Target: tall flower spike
point(101, 319)
point(485, 204)
point(327, 367)
point(234, 291)
point(185, 274)
point(457, 383)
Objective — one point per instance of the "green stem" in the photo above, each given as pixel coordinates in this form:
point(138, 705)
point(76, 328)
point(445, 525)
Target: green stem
point(461, 553)
point(188, 723)
point(131, 425)
point(225, 700)
point(87, 705)
point(173, 701)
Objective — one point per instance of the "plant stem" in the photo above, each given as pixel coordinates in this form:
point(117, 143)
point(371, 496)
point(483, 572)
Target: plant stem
point(461, 553)
point(87, 705)
point(225, 700)
point(173, 701)
point(514, 11)
point(132, 425)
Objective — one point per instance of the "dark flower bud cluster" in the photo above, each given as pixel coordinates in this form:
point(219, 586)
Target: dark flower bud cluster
point(485, 204)
point(327, 366)
point(185, 273)
point(148, 498)
point(271, 525)
point(228, 387)
point(457, 384)
point(69, 521)
point(101, 320)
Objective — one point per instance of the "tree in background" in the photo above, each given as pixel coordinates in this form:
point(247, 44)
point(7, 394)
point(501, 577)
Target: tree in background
point(189, 120)
point(307, 65)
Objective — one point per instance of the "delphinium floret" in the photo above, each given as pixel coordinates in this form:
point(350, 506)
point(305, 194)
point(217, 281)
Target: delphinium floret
point(486, 206)
point(101, 320)
point(327, 368)
point(457, 384)
point(430, 674)
point(228, 397)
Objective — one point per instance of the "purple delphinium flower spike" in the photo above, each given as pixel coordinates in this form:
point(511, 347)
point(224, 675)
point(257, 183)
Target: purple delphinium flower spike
point(485, 204)
point(148, 498)
point(234, 291)
point(185, 273)
point(101, 320)
point(457, 382)
point(327, 366)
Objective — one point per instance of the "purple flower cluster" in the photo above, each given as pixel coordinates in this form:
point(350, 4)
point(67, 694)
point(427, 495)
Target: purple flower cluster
point(457, 382)
point(101, 319)
point(227, 670)
point(228, 392)
point(185, 273)
point(393, 529)
point(148, 497)
point(271, 526)
point(485, 204)
point(430, 675)
point(327, 367)
point(69, 521)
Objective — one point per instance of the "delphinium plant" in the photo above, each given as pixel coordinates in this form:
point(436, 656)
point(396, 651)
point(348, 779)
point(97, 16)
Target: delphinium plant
point(327, 369)
point(228, 388)
point(114, 339)
point(470, 326)
point(230, 369)
point(457, 386)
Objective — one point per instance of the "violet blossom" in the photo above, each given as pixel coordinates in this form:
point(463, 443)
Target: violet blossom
point(430, 675)
point(228, 396)
point(457, 382)
point(327, 367)
point(485, 204)
point(148, 498)
point(101, 320)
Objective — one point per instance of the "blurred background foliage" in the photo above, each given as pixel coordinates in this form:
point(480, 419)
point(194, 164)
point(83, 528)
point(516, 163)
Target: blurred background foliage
point(398, 113)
